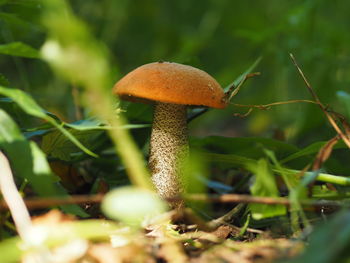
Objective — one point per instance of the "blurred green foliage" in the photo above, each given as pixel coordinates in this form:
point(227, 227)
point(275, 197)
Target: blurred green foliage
point(222, 37)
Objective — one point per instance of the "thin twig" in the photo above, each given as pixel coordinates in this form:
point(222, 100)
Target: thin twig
point(226, 218)
point(324, 153)
point(13, 199)
point(37, 203)
point(266, 106)
point(323, 108)
point(244, 115)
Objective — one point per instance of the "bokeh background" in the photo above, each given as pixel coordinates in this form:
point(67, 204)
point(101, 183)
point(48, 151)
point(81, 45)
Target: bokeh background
point(224, 38)
point(221, 37)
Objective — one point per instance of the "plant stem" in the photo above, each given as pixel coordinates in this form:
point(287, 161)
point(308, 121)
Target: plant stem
point(13, 199)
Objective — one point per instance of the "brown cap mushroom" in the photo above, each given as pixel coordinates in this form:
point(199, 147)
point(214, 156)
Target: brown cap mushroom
point(171, 87)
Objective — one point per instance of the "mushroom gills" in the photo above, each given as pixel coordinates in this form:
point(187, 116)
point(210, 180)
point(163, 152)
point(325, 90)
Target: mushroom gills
point(169, 149)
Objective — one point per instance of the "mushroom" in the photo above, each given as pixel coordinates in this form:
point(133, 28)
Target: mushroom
point(171, 87)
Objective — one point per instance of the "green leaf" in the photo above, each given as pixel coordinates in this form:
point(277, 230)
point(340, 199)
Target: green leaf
point(19, 49)
point(310, 150)
point(57, 145)
point(244, 162)
point(323, 192)
point(25, 101)
point(20, 152)
point(10, 250)
point(12, 20)
point(264, 185)
point(331, 238)
point(197, 112)
point(232, 159)
point(17, 114)
point(9, 131)
point(249, 147)
point(195, 171)
point(137, 112)
point(29, 162)
point(297, 191)
point(94, 124)
point(28, 105)
point(290, 180)
point(13, 249)
point(240, 77)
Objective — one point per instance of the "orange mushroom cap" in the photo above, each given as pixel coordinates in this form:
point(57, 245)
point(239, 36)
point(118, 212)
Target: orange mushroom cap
point(171, 83)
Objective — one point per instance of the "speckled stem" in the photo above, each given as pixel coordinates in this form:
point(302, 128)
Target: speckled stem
point(168, 149)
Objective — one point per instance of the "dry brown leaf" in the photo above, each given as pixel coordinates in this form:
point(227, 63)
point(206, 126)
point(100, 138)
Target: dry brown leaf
point(222, 232)
point(324, 153)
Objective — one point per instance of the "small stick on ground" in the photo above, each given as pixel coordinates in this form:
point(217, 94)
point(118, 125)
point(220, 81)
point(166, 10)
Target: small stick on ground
point(38, 203)
point(225, 198)
point(226, 218)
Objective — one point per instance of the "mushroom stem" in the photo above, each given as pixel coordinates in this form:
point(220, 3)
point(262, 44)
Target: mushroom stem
point(168, 149)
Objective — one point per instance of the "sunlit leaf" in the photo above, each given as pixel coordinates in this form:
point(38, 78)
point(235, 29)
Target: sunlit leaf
point(297, 191)
point(74, 53)
point(28, 104)
point(133, 205)
point(264, 185)
point(96, 230)
point(29, 162)
point(10, 250)
point(94, 124)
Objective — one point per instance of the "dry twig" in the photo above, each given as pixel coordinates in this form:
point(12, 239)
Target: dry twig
point(323, 108)
point(37, 203)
